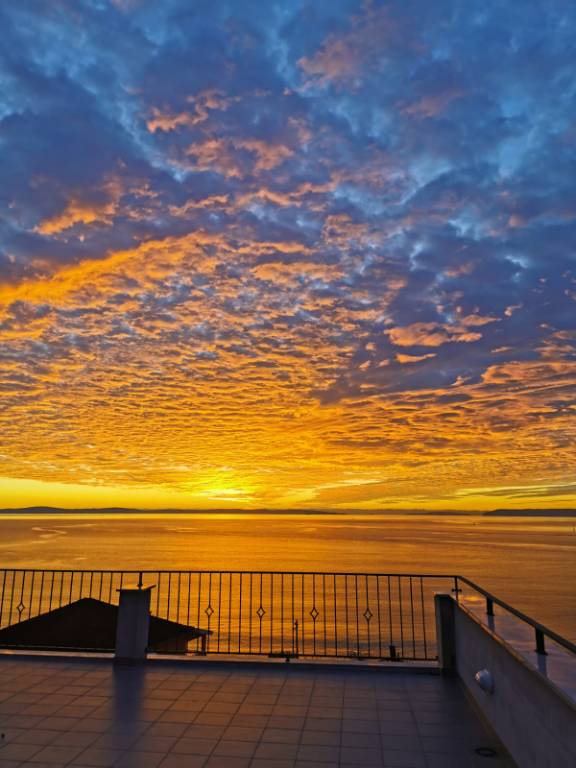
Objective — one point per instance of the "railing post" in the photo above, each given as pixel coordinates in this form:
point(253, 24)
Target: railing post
point(133, 625)
point(456, 588)
point(295, 639)
point(445, 633)
point(540, 642)
point(489, 607)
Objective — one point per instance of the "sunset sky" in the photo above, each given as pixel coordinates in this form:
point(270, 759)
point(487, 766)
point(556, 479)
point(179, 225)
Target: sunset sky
point(288, 254)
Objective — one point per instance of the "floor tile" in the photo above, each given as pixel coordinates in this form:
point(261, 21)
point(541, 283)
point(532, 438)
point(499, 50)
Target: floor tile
point(230, 748)
point(362, 740)
point(204, 732)
point(321, 724)
point(183, 761)
point(281, 735)
point(360, 757)
point(59, 755)
point(36, 736)
point(321, 738)
point(101, 758)
point(319, 753)
point(269, 750)
point(154, 743)
point(227, 762)
point(243, 733)
point(404, 758)
point(19, 751)
point(186, 746)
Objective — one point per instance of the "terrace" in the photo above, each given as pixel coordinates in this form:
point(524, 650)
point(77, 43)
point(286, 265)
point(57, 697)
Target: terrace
point(382, 671)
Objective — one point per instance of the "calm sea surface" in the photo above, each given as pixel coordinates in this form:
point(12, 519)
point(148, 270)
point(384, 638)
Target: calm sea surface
point(530, 562)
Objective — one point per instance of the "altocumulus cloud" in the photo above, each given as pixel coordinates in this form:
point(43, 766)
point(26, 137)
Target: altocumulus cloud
point(352, 223)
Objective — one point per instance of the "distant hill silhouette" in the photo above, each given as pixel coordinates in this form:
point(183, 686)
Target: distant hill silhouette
point(531, 513)
point(41, 510)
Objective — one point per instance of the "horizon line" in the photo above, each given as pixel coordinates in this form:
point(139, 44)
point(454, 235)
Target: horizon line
point(45, 509)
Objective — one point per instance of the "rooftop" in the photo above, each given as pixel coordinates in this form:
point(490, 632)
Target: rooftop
point(84, 713)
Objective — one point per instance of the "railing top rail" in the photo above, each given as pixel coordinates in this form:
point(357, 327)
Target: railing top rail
point(157, 571)
point(522, 616)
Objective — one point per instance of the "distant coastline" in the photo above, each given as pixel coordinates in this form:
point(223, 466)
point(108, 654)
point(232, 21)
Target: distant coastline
point(563, 512)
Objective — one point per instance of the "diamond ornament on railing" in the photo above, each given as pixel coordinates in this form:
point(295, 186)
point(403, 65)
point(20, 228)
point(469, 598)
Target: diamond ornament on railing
point(209, 611)
point(368, 614)
point(260, 613)
point(314, 613)
point(20, 607)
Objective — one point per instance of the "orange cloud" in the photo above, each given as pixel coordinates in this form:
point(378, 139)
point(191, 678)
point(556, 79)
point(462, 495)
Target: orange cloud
point(85, 210)
point(203, 103)
point(436, 334)
point(342, 58)
point(413, 358)
point(421, 334)
point(430, 106)
point(226, 155)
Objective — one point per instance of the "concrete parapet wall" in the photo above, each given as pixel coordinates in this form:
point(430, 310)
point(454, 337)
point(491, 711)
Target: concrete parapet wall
point(533, 719)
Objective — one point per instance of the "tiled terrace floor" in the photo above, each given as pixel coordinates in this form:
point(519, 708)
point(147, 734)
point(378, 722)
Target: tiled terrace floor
point(187, 715)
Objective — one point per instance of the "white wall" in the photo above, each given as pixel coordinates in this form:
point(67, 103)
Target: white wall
point(534, 720)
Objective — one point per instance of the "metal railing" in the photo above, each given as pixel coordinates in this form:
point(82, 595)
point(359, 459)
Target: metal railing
point(271, 613)
point(541, 632)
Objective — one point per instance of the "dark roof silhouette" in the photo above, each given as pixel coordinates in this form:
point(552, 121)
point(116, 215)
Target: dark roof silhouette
point(90, 624)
